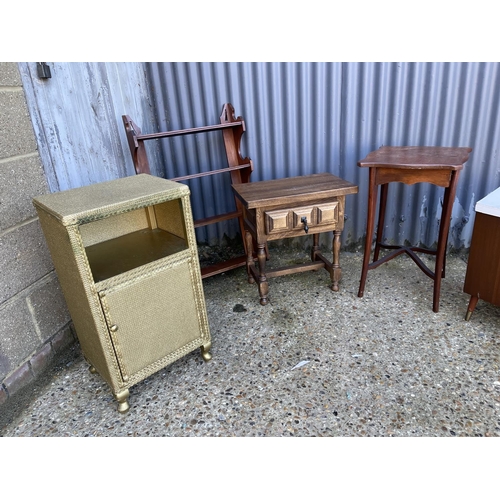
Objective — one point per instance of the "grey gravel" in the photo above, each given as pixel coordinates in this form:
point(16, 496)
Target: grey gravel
point(311, 363)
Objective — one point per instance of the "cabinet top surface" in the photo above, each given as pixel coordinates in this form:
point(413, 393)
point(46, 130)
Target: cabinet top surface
point(417, 157)
point(490, 204)
point(306, 188)
point(106, 198)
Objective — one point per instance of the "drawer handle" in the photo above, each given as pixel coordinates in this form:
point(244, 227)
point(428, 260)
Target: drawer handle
point(304, 221)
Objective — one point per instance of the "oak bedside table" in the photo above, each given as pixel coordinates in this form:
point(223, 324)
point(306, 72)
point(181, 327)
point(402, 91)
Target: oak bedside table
point(290, 207)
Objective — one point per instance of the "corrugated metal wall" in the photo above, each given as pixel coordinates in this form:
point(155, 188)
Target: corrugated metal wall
point(291, 111)
point(434, 104)
point(309, 117)
point(301, 118)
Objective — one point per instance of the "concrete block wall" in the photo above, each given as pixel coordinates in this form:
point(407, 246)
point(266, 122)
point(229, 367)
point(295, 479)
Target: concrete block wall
point(35, 325)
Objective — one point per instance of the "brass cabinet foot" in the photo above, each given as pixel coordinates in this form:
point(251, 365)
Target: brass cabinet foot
point(205, 352)
point(92, 369)
point(122, 398)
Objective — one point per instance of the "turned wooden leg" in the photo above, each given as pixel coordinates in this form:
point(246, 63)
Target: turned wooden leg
point(205, 352)
point(249, 245)
point(472, 305)
point(263, 285)
point(370, 221)
point(336, 270)
point(315, 247)
point(122, 398)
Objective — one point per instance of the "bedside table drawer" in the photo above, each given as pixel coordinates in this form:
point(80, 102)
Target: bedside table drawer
point(327, 213)
point(298, 213)
point(277, 220)
point(291, 219)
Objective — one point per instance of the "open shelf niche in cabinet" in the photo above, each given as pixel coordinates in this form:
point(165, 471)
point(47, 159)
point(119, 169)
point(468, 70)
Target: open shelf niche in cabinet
point(126, 257)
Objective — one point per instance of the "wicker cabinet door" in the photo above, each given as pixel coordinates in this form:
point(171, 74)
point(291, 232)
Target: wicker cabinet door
point(155, 319)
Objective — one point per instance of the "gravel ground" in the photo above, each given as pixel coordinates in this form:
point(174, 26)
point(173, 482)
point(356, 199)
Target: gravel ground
point(311, 363)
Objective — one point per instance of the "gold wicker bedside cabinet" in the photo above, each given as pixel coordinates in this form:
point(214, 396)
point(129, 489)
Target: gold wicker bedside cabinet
point(126, 257)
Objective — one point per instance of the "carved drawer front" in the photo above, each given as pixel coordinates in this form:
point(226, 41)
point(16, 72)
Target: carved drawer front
point(298, 213)
point(328, 213)
point(276, 221)
point(286, 220)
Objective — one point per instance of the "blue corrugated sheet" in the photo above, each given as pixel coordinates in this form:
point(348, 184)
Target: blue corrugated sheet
point(301, 118)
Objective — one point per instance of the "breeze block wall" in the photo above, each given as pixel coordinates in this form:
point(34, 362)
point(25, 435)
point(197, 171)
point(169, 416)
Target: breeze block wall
point(34, 322)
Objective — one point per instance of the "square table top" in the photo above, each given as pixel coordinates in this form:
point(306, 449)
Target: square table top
point(304, 188)
point(417, 157)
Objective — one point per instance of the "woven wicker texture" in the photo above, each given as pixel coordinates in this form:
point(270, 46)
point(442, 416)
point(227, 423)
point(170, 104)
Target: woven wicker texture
point(169, 217)
point(188, 220)
point(135, 322)
point(94, 202)
point(70, 262)
point(112, 227)
point(166, 324)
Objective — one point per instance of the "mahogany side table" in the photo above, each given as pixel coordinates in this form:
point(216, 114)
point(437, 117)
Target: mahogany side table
point(290, 207)
point(440, 166)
